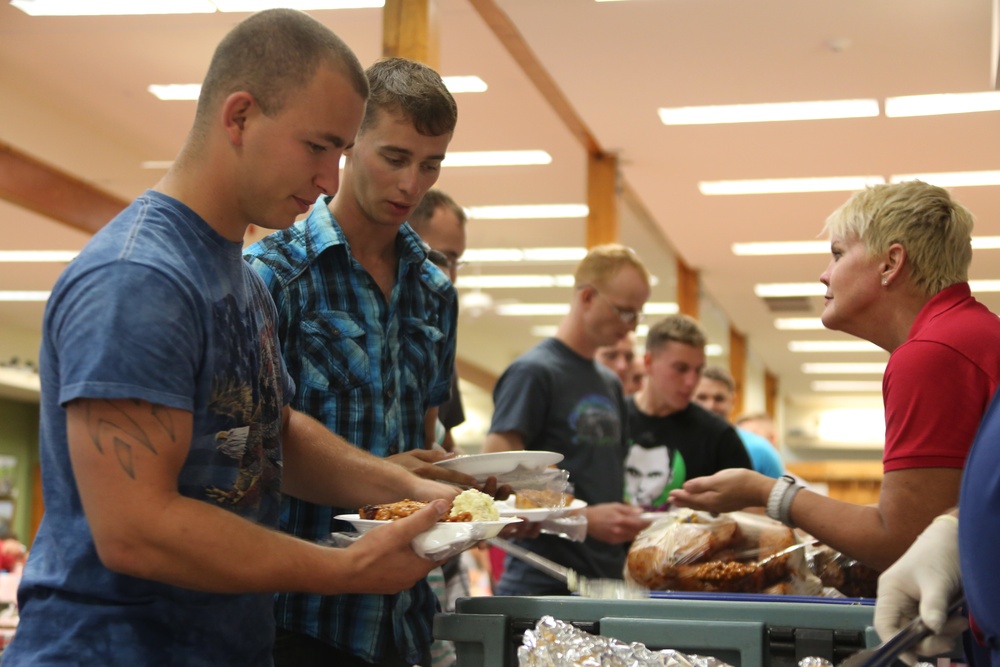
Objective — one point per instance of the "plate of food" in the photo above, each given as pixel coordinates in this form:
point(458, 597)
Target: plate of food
point(539, 505)
point(474, 517)
point(482, 466)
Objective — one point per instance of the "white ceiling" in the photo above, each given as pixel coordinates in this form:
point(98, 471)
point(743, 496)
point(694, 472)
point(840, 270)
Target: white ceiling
point(73, 93)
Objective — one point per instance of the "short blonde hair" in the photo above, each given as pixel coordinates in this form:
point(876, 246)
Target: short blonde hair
point(679, 328)
point(603, 263)
point(935, 230)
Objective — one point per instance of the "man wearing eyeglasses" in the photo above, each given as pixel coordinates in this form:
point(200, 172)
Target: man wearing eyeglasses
point(556, 397)
point(440, 223)
point(673, 438)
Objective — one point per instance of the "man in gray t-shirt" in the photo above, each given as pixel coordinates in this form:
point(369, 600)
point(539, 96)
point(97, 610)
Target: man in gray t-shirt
point(556, 397)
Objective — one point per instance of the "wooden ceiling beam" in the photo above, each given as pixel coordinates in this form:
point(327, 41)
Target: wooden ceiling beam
point(517, 46)
point(32, 184)
point(410, 30)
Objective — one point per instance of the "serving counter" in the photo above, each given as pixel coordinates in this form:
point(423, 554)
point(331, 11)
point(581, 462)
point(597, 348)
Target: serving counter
point(742, 630)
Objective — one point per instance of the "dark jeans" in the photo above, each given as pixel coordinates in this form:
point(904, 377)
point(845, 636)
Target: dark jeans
point(292, 649)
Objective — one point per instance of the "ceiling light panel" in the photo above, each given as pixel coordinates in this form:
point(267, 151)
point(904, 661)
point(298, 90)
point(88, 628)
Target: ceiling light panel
point(846, 385)
point(112, 7)
point(513, 281)
point(516, 255)
point(495, 158)
point(781, 248)
point(37, 255)
point(765, 290)
point(843, 368)
point(20, 295)
point(788, 185)
point(765, 113)
point(190, 91)
point(527, 212)
point(936, 105)
point(798, 323)
point(833, 346)
point(952, 179)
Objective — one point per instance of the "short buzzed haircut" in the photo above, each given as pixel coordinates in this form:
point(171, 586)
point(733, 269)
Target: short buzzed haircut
point(269, 55)
point(677, 328)
point(432, 201)
point(602, 263)
point(720, 374)
point(413, 90)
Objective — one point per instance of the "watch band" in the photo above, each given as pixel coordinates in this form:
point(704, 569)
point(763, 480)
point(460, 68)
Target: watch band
point(781, 485)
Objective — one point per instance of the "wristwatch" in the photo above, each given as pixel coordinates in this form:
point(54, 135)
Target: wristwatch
point(779, 501)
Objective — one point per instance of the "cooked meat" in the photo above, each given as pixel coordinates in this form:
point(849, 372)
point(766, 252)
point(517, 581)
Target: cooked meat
point(403, 508)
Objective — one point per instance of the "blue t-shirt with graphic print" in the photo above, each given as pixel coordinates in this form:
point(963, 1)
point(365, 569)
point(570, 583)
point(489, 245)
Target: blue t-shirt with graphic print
point(161, 308)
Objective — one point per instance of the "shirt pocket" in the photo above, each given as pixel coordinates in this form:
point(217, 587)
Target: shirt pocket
point(334, 357)
point(422, 344)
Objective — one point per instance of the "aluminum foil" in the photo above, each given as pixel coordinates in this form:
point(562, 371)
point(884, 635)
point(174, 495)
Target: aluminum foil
point(554, 643)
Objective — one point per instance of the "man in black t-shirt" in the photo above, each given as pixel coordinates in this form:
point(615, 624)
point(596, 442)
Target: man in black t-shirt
point(672, 439)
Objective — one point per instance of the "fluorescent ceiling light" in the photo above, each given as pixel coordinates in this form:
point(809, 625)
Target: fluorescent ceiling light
point(771, 248)
point(764, 113)
point(846, 385)
point(798, 323)
point(788, 185)
point(527, 212)
point(985, 242)
point(833, 346)
point(843, 368)
point(495, 158)
point(464, 84)
point(852, 425)
point(112, 7)
point(936, 105)
point(765, 290)
point(37, 255)
point(513, 281)
point(951, 179)
point(175, 91)
point(305, 5)
point(514, 255)
point(531, 309)
point(543, 309)
point(12, 295)
point(782, 248)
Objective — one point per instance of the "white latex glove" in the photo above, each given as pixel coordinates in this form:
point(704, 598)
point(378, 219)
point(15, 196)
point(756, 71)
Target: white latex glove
point(925, 580)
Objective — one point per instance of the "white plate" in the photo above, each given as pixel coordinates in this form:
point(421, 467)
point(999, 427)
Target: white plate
point(445, 539)
point(482, 466)
point(508, 508)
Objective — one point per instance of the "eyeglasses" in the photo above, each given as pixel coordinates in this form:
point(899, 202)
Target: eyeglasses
point(444, 260)
point(628, 316)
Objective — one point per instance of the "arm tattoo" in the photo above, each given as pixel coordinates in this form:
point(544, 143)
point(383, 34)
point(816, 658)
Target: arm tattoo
point(116, 427)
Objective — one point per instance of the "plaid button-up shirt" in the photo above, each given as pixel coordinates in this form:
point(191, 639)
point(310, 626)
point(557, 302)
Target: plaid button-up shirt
point(369, 370)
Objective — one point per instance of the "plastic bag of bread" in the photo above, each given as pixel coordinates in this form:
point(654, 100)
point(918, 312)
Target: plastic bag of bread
point(842, 573)
point(738, 552)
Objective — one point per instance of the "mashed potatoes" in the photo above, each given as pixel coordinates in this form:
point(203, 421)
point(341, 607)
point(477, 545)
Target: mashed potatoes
point(476, 503)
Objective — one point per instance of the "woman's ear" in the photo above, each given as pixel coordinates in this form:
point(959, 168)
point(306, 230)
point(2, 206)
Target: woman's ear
point(892, 266)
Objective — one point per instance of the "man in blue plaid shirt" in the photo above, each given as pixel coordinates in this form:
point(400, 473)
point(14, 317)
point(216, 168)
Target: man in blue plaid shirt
point(367, 328)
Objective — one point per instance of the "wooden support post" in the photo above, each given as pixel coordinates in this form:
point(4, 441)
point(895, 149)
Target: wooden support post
point(771, 395)
point(688, 290)
point(410, 30)
point(737, 367)
point(602, 199)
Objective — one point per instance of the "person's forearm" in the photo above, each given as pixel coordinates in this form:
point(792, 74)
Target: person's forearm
point(323, 468)
point(193, 544)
